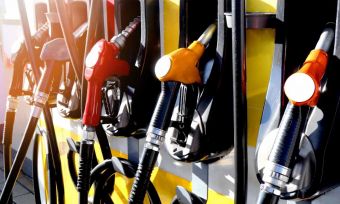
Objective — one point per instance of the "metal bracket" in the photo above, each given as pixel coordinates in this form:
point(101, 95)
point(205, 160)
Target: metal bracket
point(256, 20)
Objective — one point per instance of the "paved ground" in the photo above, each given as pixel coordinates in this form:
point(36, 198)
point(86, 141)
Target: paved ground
point(23, 190)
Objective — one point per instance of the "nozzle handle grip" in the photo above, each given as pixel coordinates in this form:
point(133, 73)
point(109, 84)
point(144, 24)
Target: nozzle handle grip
point(85, 164)
point(101, 63)
point(287, 139)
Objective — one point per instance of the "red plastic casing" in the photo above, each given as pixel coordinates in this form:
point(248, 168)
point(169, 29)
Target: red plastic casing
point(110, 18)
point(101, 62)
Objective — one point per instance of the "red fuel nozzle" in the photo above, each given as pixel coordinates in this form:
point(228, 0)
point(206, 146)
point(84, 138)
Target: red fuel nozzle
point(101, 63)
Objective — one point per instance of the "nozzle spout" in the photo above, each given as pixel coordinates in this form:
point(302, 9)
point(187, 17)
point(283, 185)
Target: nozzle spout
point(207, 35)
point(119, 40)
point(325, 40)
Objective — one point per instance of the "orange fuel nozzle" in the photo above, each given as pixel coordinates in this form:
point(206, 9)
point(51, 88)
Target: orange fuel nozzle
point(181, 64)
point(303, 87)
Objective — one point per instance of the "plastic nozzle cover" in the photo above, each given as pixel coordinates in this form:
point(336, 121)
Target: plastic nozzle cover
point(101, 63)
point(181, 64)
point(302, 88)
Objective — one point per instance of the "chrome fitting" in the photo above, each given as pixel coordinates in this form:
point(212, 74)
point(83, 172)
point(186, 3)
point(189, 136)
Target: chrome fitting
point(89, 133)
point(155, 136)
point(151, 146)
point(41, 98)
point(36, 111)
point(12, 104)
point(270, 189)
point(156, 131)
point(276, 174)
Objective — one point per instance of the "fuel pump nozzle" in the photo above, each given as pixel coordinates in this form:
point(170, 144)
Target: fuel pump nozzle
point(101, 63)
point(179, 66)
point(303, 89)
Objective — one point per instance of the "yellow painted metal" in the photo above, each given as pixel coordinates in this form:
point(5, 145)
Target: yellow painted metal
point(260, 50)
point(260, 47)
point(171, 25)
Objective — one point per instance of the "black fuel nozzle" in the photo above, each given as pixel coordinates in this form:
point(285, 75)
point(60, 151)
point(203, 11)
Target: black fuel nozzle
point(172, 69)
point(19, 58)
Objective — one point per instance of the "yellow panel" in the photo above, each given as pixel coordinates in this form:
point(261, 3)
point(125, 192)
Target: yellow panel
point(260, 50)
point(261, 5)
point(214, 197)
point(171, 25)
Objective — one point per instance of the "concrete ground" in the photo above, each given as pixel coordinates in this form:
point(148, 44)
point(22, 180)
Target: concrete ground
point(23, 191)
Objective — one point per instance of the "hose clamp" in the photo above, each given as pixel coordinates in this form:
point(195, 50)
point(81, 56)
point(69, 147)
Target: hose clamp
point(156, 131)
point(155, 136)
point(270, 189)
point(36, 111)
point(276, 174)
point(89, 133)
point(12, 104)
point(41, 98)
point(151, 146)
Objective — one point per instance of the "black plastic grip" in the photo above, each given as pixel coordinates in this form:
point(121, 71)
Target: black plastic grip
point(85, 165)
point(267, 198)
point(7, 143)
point(287, 140)
point(143, 174)
point(165, 105)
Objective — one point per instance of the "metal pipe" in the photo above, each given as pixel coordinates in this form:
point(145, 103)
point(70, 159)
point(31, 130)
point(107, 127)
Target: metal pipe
point(239, 100)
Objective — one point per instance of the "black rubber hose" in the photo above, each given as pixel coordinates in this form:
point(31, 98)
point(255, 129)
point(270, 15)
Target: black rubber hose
point(267, 198)
point(19, 160)
point(129, 171)
point(160, 120)
point(100, 194)
point(7, 138)
point(103, 142)
point(99, 169)
point(36, 178)
point(287, 141)
point(239, 100)
point(7, 141)
point(142, 178)
point(72, 167)
point(54, 152)
point(165, 105)
point(85, 164)
point(52, 178)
